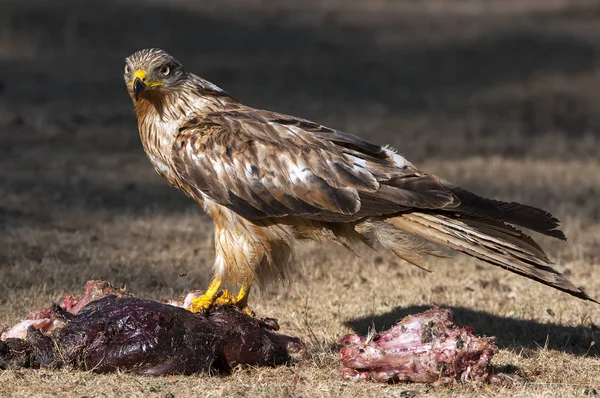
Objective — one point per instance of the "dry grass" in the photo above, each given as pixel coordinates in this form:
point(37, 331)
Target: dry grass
point(500, 97)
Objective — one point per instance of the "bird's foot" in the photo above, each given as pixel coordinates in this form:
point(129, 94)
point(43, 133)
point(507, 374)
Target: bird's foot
point(201, 305)
point(204, 303)
point(228, 298)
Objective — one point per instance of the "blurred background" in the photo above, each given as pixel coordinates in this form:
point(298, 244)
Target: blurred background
point(500, 95)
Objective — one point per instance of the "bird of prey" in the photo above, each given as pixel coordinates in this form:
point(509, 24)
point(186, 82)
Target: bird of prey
point(269, 180)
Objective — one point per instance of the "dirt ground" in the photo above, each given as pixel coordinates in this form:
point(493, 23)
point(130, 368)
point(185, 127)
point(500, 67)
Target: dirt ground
point(499, 96)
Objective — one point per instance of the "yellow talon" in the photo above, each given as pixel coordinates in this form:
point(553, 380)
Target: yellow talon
point(226, 298)
point(242, 301)
point(211, 297)
point(242, 297)
point(203, 303)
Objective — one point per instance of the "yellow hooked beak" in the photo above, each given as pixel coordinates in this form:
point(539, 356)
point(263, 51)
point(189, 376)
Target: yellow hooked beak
point(140, 82)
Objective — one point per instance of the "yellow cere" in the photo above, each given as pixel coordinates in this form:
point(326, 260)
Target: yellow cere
point(141, 74)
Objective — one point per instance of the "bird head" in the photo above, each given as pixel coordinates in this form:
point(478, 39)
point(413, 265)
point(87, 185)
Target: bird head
point(150, 72)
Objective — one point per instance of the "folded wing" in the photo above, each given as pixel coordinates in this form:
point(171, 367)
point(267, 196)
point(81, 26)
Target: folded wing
point(261, 164)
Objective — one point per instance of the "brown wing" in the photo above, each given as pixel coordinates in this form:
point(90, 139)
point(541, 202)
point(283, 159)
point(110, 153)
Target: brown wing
point(261, 164)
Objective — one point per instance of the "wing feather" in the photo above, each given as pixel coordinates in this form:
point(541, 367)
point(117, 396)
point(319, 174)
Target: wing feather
point(261, 164)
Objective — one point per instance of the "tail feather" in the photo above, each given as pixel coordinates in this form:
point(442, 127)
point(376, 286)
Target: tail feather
point(511, 212)
point(489, 240)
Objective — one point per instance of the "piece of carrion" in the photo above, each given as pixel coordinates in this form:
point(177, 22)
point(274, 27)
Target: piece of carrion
point(45, 320)
point(426, 347)
point(121, 332)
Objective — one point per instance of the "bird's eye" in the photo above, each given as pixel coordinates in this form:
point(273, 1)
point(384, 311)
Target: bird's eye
point(165, 71)
point(127, 69)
